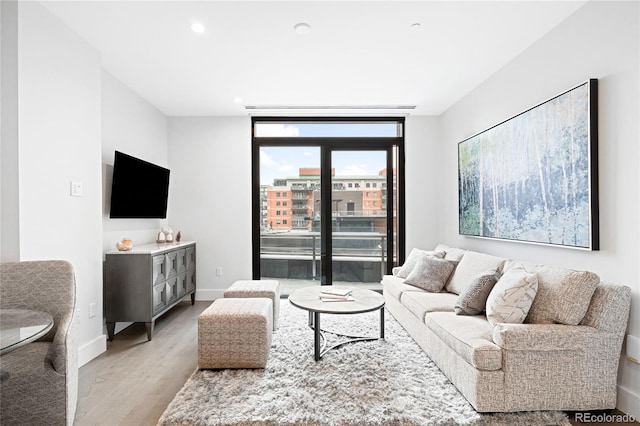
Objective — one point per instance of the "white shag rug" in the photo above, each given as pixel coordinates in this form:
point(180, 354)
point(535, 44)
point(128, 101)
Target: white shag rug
point(382, 382)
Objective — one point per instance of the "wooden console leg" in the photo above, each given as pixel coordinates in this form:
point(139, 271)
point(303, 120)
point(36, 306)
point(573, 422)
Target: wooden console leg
point(193, 298)
point(111, 328)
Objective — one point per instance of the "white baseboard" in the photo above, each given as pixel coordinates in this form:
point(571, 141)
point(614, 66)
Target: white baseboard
point(628, 402)
point(209, 294)
point(92, 349)
point(97, 346)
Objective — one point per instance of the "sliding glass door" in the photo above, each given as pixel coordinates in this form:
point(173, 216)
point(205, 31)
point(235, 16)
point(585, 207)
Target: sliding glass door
point(289, 214)
point(327, 200)
point(359, 244)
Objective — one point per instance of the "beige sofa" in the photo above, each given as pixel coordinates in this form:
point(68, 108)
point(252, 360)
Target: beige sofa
point(520, 367)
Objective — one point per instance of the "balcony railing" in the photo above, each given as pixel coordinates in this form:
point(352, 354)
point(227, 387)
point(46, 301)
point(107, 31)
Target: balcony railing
point(358, 247)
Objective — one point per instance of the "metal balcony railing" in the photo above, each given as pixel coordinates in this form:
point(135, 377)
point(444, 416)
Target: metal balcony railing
point(347, 246)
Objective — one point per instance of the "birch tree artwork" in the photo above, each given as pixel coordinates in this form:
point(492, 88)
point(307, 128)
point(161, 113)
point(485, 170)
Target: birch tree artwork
point(529, 178)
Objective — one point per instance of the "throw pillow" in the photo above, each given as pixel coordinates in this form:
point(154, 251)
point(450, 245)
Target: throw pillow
point(471, 265)
point(453, 253)
point(563, 296)
point(413, 258)
point(512, 297)
point(473, 299)
point(430, 274)
point(441, 247)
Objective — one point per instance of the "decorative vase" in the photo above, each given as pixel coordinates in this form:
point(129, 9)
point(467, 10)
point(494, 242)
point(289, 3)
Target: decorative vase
point(125, 245)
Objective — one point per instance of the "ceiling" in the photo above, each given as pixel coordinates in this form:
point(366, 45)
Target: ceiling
point(360, 56)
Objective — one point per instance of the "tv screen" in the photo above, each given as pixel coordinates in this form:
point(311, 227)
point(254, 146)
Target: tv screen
point(139, 189)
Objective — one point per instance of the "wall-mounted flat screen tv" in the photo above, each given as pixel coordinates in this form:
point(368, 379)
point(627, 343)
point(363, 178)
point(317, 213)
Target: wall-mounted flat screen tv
point(139, 190)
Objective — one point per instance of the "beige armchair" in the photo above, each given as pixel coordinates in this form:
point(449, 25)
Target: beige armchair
point(40, 380)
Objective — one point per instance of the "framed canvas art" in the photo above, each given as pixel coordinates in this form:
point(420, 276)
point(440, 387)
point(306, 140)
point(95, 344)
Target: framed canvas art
point(534, 177)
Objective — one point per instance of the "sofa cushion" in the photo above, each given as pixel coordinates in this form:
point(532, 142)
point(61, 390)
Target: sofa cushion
point(471, 337)
point(454, 254)
point(395, 286)
point(512, 297)
point(414, 256)
point(471, 265)
point(441, 247)
point(473, 299)
point(422, 302)
point(430, 274)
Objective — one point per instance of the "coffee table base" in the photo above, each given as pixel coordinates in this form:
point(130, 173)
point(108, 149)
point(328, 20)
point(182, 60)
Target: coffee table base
point(320, 349)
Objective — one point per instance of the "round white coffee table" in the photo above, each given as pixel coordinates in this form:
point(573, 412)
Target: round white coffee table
point(364, 300)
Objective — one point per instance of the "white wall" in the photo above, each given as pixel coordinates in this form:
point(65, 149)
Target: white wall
point(599, 41)
point(9, 216)
point(422, 192)
point(131, 125)
point(210, 193)
point(59, 141)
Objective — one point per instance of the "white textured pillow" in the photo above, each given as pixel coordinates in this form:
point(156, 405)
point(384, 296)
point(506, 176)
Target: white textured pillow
point(430, 273)
point(471, 265)
point(415, 255)
point(512, 297)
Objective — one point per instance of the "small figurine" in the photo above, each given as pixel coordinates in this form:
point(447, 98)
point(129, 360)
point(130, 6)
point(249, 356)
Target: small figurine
point(178, 237)
point(168, 234)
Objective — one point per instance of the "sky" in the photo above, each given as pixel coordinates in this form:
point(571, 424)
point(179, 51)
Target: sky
point(281, 162)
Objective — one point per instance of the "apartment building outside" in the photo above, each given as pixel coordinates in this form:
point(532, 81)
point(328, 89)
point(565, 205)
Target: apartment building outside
point(292, 203)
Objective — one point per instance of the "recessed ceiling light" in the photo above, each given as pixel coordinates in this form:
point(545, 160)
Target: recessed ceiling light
point(302, 28)
point(197, 27)
point(415, 26)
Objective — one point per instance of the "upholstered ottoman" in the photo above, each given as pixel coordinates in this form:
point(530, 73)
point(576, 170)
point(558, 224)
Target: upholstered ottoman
point(235, 333)
point(258, 288)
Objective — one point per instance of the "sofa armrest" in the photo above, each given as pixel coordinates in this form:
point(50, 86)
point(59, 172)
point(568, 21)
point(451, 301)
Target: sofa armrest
point(547, 337)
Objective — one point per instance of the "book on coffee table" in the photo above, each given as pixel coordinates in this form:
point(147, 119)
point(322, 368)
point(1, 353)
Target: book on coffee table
point(333, 298)
point(336, 292)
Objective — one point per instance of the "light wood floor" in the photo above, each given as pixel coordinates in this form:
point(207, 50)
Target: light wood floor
point(134, 380)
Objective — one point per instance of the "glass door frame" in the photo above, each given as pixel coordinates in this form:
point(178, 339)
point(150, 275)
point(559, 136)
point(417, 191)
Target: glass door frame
point(328, 145)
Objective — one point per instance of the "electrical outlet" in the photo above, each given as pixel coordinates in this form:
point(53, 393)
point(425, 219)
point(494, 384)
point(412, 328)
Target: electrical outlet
point(76, 189)
point(92, 310)
point(633, 348)
point(219, 271)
